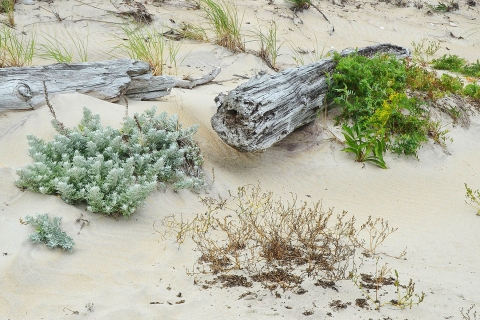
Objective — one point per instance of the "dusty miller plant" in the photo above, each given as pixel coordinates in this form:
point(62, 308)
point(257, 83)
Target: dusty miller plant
point(114, 170)
point(49, 232)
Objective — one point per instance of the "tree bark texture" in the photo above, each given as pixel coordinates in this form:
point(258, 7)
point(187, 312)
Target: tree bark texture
point(267, 108)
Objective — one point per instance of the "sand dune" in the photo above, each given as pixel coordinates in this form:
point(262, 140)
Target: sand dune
point(125, 269)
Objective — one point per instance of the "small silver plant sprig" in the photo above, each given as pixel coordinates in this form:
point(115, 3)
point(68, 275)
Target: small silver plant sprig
point(48, 231)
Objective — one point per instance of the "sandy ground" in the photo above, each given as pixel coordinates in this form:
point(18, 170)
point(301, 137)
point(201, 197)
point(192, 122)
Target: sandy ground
point(118, 268)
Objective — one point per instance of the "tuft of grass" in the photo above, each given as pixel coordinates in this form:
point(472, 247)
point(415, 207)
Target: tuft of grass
point(192, 32)
point(15, 51)
point(269, 45)
point(313, 55)
point(151, 46)
point(55, 50)
point(443, 7)
point(58, 51)
point(8, 6)
point(145, 45)
point(226, 23)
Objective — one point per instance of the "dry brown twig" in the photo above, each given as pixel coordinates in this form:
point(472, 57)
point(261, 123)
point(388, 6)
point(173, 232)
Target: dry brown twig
point(59, 125)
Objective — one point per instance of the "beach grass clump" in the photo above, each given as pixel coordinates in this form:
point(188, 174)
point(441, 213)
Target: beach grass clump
point(114, 170)
point(8, 6)
point(192, 32)
point(15, 50)
point(146, 45)
point(443, 7)
point(315, 54)
point(58, 51)
point(150, 45)
point(269, 46)
point(48, 231)
point(225, 21)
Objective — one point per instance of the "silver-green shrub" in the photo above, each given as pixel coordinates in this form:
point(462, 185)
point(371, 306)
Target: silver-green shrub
point(49, 232)
point(114, 170)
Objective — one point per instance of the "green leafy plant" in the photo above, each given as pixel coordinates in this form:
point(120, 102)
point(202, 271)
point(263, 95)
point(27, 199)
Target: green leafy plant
point(364, 144)
point(49, 232)
point(15, 51)
point(114, 170)
point(450, 62)
point(372, 92)
point(420, 79)
point(361, 85)
point(472, 69)
point(226, 23)
point(438, 134)
point(445, 7)
point(473, 197)
point(472, 90)
point(456, 64)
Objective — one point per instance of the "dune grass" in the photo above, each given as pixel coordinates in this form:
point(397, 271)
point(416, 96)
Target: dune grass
point(8, 6)
point(192, 32)
point(151, 46)
point(226, 23)
point(58, 51)
point(313, 55)
point(146, 45)
point(16, 51)
point(269, 46)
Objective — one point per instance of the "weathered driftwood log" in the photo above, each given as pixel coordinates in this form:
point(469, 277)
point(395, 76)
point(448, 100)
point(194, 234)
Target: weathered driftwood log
point(22, 88)
point(267, 108)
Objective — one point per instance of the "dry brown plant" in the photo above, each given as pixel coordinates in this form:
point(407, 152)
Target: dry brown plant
point(275, 242)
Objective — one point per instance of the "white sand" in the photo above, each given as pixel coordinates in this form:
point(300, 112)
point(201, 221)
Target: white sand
point(122, 266)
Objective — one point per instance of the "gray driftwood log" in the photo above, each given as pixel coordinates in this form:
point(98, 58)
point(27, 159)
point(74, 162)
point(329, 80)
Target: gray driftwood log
point(267, 108)
point(22, 88)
